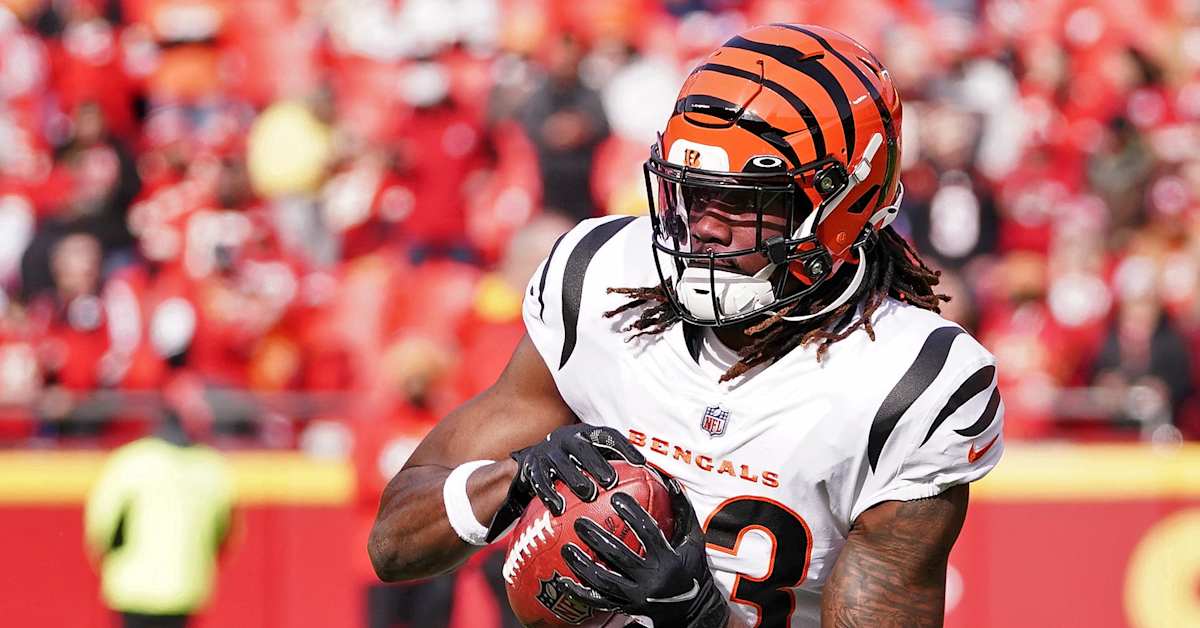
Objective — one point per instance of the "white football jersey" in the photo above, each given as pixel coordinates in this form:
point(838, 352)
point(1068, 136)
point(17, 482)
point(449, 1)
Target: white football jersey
point(778, 463)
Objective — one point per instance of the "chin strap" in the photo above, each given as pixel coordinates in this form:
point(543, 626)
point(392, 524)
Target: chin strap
point(886, 215)
point(850, 290)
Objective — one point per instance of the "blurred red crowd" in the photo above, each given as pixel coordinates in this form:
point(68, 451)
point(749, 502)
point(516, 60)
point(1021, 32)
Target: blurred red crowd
point(341, 200)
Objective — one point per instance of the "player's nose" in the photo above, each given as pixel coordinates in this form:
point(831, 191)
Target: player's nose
point(711, 231)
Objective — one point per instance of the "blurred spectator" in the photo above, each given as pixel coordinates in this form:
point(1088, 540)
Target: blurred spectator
point(100, 181)
point(565, 118)
point(1017, 327)
point(1119, 171)
point(1144, 359)
point(73, 329)
point(288, 154)
point(156, 519)
point(439, 152)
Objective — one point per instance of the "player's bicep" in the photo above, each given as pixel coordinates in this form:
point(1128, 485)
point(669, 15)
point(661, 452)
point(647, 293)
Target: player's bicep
point(519, 409)
point(892, 569)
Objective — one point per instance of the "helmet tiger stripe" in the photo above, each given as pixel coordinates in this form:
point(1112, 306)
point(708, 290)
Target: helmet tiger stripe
point(802, 94)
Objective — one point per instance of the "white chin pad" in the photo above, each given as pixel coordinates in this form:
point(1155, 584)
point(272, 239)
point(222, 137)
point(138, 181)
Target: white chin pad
point(736, 293)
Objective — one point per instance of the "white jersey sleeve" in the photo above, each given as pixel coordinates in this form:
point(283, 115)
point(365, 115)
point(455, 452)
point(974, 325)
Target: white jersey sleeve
point(561, 317)
point(940, 425)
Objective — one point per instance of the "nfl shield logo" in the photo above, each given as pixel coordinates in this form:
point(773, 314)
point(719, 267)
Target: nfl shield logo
point(565, 606)
point(714, 421)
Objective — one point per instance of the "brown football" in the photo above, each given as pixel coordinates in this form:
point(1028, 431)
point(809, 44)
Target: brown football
point(534, 545)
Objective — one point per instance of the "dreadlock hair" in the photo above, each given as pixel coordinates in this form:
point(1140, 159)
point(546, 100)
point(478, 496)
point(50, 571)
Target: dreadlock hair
point(895, 270)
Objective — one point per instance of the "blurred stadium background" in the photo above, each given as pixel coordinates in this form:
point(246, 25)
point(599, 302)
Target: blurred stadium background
point(307, 224)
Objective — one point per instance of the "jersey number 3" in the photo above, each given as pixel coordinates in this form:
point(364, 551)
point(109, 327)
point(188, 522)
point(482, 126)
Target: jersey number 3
point(791, 547)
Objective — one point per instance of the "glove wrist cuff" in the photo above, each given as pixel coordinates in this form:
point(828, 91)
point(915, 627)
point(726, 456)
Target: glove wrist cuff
point(712, 611)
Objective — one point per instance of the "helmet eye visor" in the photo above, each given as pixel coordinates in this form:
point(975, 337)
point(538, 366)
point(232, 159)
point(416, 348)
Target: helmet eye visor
point(680, 197)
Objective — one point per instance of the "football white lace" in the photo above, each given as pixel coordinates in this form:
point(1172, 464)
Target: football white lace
point(525, 545)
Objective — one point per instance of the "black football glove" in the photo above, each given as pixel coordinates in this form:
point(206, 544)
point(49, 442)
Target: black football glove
point(671, 584)
point(566, 455)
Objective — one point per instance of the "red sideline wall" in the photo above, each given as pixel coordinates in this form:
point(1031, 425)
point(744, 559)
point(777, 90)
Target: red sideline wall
point(290, 561)
point(288, 570)
point(1059, 536)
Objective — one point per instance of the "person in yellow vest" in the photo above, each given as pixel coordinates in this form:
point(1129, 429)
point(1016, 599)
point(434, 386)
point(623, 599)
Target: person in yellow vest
point(157, 518)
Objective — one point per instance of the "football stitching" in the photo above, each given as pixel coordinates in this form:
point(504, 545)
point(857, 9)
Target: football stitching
point(525, 545)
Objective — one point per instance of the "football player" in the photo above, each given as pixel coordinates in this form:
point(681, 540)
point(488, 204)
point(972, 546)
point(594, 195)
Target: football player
point(766, 340)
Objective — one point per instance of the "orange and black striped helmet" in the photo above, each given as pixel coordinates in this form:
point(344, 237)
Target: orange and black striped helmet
point(783, 113)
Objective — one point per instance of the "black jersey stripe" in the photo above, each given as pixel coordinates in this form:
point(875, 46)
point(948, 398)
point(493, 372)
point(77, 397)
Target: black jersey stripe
point(806, 114)
point(542, 280)
point(916, 379)
point(889, 125)
point(985, 419)
point(811, 67)
point(573, 274)
point(694, 339)
point(975, 384)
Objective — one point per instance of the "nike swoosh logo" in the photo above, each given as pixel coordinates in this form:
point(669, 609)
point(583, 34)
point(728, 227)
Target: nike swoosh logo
point(973, 455)
point(682, 597)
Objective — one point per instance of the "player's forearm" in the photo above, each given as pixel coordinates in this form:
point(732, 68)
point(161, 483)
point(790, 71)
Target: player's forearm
point(892, 569)
point(867, 593)
point(412, 537)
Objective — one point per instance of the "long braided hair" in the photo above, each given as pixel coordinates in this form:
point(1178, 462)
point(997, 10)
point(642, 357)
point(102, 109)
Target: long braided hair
point(894, 270)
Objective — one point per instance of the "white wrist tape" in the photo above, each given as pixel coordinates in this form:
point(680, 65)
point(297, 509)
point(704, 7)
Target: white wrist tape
point(458, 503)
